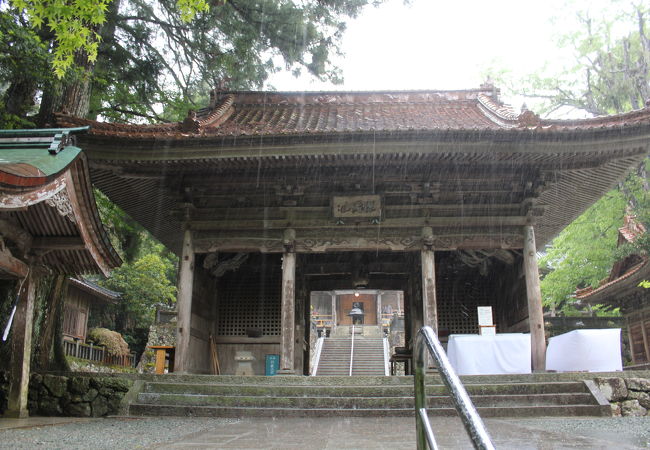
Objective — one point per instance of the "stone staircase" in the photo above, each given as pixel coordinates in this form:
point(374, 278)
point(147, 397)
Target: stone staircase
point(368, 356)
point(297, 396)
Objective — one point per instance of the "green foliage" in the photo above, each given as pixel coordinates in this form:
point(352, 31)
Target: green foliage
point(154, 57)
point(125, 233)
point(141, 54)
point(146, 280)
point(73, 24)
point(608, 71)
point(583, 253)
point(112, 340)
point(144, 286)
point(190, 8)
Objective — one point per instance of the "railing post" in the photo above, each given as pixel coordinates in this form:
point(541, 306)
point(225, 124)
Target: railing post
point(469, 416)
point(420, 394)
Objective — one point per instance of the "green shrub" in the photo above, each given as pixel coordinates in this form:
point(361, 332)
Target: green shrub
point(112, 340)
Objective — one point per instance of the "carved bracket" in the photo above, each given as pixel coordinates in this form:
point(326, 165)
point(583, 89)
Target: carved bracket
point(61, 202)
point(219, 268)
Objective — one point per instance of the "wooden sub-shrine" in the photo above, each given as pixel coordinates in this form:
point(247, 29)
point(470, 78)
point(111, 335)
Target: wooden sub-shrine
point(48, 224)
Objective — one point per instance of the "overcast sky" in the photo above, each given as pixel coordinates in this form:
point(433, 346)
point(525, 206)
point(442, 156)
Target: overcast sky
point(439, 44)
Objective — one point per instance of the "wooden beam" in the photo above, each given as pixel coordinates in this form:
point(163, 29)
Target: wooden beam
point(58, 243)
point(281, 211)
point(307, 176)
point(330, 223)
point(12, 266)
point(345, 240)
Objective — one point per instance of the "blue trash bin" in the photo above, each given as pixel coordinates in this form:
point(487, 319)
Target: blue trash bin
point(272, 364)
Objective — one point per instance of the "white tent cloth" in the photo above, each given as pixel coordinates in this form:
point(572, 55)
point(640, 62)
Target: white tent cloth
point(473, 354)
point(585, 350)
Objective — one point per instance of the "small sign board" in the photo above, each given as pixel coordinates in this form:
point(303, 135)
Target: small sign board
point(487, 330)
point(485, 316)
point(356, 206)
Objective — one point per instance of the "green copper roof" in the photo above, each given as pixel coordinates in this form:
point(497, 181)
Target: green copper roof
point(49, 150)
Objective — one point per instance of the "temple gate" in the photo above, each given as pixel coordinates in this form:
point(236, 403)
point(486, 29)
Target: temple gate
point(445, 196)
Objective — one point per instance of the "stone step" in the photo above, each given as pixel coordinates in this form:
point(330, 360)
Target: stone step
point(339, 402)
point(347, 396)
point(211, 411)
point(434, 379)
point(358, 391)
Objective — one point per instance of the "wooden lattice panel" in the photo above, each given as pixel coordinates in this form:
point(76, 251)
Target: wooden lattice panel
point(458, 296)
point(248, 303)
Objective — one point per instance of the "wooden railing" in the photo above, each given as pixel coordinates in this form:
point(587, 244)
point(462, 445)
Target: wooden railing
point(98, 354)
point(322, 320)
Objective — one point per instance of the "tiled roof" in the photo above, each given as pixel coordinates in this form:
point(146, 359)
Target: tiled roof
point(631, 229)
point(588, 292)
point(629, 232)
point(300, 113)
point(98, 291)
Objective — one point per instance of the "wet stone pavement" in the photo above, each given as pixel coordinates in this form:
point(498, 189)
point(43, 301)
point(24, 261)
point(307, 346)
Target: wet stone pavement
point(316, 433)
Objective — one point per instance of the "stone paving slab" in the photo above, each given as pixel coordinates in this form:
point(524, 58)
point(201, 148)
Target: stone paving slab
point(316, 433)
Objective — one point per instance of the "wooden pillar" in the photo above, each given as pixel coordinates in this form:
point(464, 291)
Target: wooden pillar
point(534, 294)
point(379, 311)
point(428, 264)
point(429, 302)
point(288, 314)
point(21, 350)
point(429, 299)
point(184, 304)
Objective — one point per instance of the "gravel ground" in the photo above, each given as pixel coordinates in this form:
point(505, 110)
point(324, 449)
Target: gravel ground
point(177, 432)
point(633, 431)
point(110, 433)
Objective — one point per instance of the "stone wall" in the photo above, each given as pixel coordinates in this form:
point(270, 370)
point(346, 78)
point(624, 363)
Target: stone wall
point(78, 396)
point(628, 396)
point(159, 334)
point(4, 391)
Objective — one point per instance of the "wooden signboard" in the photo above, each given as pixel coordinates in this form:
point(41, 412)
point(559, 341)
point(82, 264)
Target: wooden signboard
point(356, 206)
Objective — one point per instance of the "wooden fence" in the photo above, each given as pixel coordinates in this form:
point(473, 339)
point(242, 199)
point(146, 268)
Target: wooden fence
point(96, 353)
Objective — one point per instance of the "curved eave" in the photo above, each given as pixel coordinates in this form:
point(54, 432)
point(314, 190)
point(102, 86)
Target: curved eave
point(97, 292)
point(92, 230)
point(38, 166)
point(45, 223)
point(480, 142)
point(615, 290)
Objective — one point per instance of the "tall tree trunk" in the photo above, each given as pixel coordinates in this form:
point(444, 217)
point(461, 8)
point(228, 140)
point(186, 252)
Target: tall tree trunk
point(19, 97)
point(70, 95)
point(104, 52)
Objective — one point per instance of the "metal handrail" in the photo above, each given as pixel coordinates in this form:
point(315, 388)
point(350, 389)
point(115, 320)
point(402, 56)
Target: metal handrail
point(352, 350)
point(426, 338)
